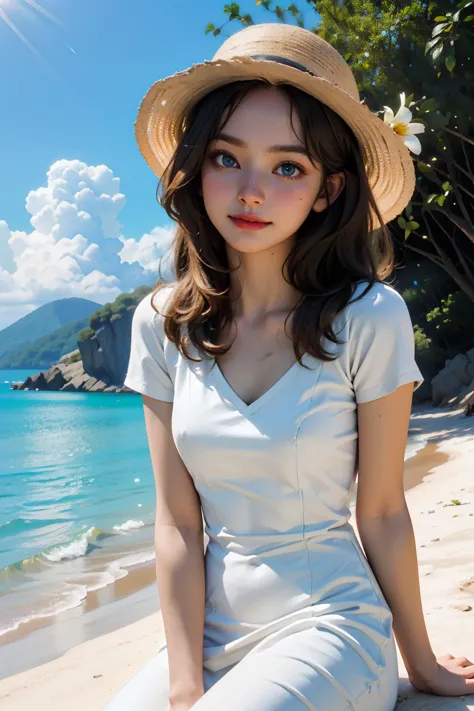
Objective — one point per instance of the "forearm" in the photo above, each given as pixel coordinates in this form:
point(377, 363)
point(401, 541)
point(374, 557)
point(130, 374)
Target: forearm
point(389, 544)
point(180, 579)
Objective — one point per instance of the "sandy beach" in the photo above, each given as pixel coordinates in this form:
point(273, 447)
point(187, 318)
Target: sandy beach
point(440, 493)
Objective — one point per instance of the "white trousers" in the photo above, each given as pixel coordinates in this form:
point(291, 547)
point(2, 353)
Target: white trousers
point(311, 670)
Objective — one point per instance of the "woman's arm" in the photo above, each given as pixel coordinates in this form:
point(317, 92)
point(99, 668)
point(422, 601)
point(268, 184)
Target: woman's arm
point(386, 533)
point(179, 546)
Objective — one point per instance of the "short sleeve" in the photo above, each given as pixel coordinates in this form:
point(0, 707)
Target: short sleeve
point(381, 344)
point(147, 371)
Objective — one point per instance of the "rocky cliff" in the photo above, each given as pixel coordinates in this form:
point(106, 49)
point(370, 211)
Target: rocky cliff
point(100, 363)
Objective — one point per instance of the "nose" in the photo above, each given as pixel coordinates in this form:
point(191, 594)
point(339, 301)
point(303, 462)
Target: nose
point(250, 191)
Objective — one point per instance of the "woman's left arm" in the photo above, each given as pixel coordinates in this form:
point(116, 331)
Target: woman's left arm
point(386, 533)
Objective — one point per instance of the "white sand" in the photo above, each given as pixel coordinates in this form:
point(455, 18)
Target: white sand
point(89, 674)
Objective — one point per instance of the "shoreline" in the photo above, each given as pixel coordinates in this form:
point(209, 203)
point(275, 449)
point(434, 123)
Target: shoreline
point(129, 598)
point(92, 670)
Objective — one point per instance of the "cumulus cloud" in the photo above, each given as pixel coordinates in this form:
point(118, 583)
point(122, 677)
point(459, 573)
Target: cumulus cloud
point(152, 251)
point(76, 247)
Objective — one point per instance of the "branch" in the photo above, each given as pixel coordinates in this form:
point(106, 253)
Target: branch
point(447, 175)
point(459, 135)
point(468, 174)
point(456, 248)
point(460, 224)
point(465, 157)
point(429, 255)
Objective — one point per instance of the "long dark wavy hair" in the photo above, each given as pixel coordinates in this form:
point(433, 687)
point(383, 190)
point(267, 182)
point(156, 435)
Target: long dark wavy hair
point(332, 251)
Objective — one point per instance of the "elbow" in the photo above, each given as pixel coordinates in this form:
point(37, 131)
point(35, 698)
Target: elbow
point(377, 523)
point(185, 531)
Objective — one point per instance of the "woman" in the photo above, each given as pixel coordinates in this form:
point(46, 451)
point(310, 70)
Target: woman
point(276, 367)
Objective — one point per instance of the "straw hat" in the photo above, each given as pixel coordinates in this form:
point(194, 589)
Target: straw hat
point(280, 53)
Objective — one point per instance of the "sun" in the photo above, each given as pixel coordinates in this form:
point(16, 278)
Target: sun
point(7, 18)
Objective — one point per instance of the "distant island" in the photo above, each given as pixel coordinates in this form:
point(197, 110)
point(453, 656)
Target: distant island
point(100, 362)
point(38, 339)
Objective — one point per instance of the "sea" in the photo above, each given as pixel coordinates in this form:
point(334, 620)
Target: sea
point(76, 498)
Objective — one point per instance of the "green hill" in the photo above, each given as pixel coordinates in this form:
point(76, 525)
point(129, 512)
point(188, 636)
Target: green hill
point(47, 350)
point(44, 320)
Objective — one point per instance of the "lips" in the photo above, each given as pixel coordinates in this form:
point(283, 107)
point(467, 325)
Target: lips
point(249, 218)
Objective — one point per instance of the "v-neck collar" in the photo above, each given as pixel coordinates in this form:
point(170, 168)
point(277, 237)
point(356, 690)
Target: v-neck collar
point(225, 390)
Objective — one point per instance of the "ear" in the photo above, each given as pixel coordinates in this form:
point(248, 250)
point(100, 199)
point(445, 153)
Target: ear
point(335, 185)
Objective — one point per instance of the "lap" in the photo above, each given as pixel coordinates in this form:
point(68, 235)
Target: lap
point(314, 670)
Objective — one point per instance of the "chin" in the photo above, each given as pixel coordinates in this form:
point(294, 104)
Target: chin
point(249, 243)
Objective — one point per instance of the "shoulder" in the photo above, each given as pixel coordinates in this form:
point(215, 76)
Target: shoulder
point(380, 303)
point(151, 309)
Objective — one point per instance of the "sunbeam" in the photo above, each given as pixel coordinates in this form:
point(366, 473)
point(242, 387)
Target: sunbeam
point(43, 12)
point(4, 4)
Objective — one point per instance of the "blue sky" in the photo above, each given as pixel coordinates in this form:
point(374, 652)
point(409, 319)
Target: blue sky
point(71, 93)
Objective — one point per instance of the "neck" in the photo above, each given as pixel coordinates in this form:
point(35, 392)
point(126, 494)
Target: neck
point(257, 286)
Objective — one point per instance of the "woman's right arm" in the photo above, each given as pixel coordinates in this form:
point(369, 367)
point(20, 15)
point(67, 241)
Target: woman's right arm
point(179, 546)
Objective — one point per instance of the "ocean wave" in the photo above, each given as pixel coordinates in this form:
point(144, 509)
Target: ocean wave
point(72, 599)
point(129, 525)
point(73, 595)
point(76, 548)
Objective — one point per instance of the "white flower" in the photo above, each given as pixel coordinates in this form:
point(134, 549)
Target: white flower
point(401, 125)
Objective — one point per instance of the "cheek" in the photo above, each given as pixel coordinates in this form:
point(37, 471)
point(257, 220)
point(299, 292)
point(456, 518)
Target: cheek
point(214, 187)
point(298, 195)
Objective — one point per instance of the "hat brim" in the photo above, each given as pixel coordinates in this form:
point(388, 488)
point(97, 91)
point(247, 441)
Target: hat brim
point(389, 165)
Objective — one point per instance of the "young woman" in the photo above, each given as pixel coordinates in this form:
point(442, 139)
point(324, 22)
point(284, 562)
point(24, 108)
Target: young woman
point(276, 367)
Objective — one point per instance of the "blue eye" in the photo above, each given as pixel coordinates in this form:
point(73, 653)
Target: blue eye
point(292, 167)
point(225, 156)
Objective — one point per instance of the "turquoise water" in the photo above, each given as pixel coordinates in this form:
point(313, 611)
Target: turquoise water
point(77, 497)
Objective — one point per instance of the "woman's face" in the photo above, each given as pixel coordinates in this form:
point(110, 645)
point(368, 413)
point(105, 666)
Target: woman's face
point(258, 166)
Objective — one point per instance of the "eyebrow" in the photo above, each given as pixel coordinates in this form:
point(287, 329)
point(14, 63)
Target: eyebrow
point(290, 148)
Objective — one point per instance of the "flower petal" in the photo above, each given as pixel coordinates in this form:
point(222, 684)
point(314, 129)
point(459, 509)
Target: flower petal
point(388, 116)
point(403, 115)
point(415, 128)
point(413, 144)
point(402, 99)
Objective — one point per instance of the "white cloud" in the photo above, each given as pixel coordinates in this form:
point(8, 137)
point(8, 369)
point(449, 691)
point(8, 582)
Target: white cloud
point(76, 247)
point(152, 251)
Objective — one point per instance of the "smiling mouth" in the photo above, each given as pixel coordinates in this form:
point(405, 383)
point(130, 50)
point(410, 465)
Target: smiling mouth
point(250, 218)
point(243, 223)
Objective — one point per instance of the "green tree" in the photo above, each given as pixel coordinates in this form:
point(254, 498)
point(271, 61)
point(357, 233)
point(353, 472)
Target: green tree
point(422, 49)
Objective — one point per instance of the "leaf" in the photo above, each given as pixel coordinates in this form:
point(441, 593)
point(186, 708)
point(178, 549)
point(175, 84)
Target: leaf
point(440, 200)
point(430, 198)
point(438, 120)
point(259, 2)
point(440, 18)
point(469, 18)
point(446, 185)
point(413, 225)
point(439, 29)
point(408, 210)
point(217, 31)
point(437, 52)
point(428, 105)
point(423, 167)
point(450, 62)
point(347, 56)
point(209, 28)
point(407, 232)
point(429, 45)
point(402, 222)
